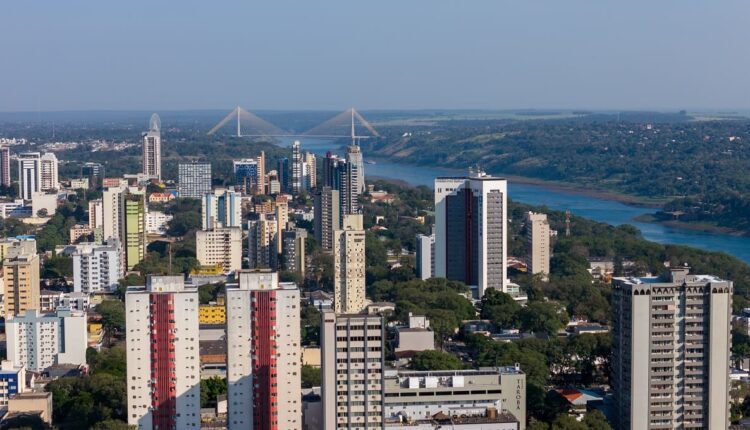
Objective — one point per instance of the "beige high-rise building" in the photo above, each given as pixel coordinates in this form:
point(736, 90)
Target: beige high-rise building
point(349, 265)
point(670, 351)
point(21, 277)
point(282, 217)
point(96, 214)
point(262, 236)
point(152, 148)
point(48, 172)
point(261, 159)
point(538, 242)
point(310, 171)
point(352, 363)
point(220, 246)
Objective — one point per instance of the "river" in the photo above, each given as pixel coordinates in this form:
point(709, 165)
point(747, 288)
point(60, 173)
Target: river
point(596, 208)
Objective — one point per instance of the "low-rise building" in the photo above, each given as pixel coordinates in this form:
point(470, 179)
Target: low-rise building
point(157, 222)
point(416, 336)
point(12, 382)
point(79, 232)
point(213, 312)
point(31, 403)
point(160, 197)
point(220, 246)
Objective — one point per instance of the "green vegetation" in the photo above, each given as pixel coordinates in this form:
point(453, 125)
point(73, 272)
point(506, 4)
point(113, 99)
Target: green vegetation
point(113, 317)
point(97, 399)
point(210, 389)
point(311, 376)
point(435, 360)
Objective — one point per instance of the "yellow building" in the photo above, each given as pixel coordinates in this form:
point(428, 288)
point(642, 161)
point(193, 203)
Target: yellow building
point(213, 313)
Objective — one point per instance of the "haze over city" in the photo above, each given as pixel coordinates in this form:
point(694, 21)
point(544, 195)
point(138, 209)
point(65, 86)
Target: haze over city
point(140, 55)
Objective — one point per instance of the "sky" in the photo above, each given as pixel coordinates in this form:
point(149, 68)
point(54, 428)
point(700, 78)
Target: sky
point(377, 54)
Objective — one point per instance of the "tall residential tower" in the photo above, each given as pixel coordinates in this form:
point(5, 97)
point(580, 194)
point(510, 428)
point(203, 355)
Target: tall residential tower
point(152, 148)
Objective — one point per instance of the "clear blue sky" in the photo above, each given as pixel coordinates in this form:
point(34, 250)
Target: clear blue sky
point(378, 54)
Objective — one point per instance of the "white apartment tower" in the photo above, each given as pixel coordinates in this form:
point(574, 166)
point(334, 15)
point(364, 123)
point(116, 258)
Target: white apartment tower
point(349, 266)
point(222, 208)
point(471, 231)
point(220, 246)
point(352, 361)
point(296, 167)
point(48, 167)
point(97, 267)
point(29, 174)
point(670, 351)
point(263, 358)
point(262, 246)
point(37, 341)
point(310, 171)
point(425, 256)
point(163, 363)
point(538, 239)
point(356, 168)
point(152, 148)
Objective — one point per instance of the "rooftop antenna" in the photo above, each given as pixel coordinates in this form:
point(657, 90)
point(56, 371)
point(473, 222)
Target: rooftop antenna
point(354, 136)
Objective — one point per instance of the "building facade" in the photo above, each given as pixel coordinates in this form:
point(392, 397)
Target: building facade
point(471, 231)
point(293, 249)
point(221, 208)
point(152, 148)
point(670, 351)
point(327, 217)
point(194, 180)
point(425, 256)
point(163, 363)
point(296, 169)
point(352, 361)
point(12, 382)
point(220, 246)
point(134, 233)
point(29, 174)
point(97, 268)
point(95, 174)
point(263, 237)
point(5, 166)
point(36, 341)
point(263, 353)
point(349, 266)
point(48, 173)
point(21, 278)
point(246, 173)
point(538, 243)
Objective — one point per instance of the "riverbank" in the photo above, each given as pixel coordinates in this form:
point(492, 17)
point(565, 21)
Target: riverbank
point(695, 226)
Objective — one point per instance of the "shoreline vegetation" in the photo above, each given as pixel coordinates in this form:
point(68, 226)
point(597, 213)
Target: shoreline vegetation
point(692, 225)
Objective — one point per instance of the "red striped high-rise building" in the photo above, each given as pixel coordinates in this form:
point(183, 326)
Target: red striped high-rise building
point(163, 364)
point(263, 353)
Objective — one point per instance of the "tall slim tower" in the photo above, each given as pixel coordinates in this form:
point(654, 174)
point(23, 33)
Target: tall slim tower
point(263, 362)
point(349, 266)
point(4, 166)
point(538, 238)
point(163, 364)
point(310, 176)
point(29, 174)
point(327, 217)
point(471, 231)
point(670, 351)
point(356, 168)
point(261, 180)
point(296, 168)
point(152, 148)
point(49, 172)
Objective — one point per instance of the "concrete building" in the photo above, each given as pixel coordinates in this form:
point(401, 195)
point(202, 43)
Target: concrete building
point(222, 246)
point(416, 336)
point(12, 382)
point(296, 169)
point(163, 363)
point(246, 175)
point(152, 148)
point(221, 208)
point(353, 363)
point(538, 243)
point(5, 166)
point(356, 165)
point(349, 266)
point(281, 209)
point(157, 222)
point(112, 213)
point(43, 203)
point(310, 177)
point(293, 249)
point(670, 351)
point(94, 173)
point(134, 234)
point(37, 341)
point(97, 268)
point(471, 231)
point(283, 171)
point(262, 237)
point(96, 214)
point(29, 174)
point(21, 278)
point(425, 256)
point(48, 172)
point(51, 301)
point(415, 395)
point(31, 403)
point(194, 180)
point(327, 218)
point(263, 359)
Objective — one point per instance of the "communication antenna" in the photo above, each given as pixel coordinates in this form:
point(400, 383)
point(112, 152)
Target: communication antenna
point(567, 223)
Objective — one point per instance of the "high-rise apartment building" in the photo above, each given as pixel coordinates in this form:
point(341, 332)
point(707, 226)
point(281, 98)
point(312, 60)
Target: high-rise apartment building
point(194, 180)
point(282, 170)
point(263, 353)
point(352, 360)
point(94, 172)
point(328, 170)
point(134, 222)
point(538, 244)
point(246, 175)
point(21, 278)
point(296, 169)
point(37, 341)
point(471, 231)
point(356, 169)
point(293, 249)
point(96, 214)
point(310, 171)
point(12, 382)
point(152, 148)
point(97, 267)
point(327, 217)
point(163, 363)
point(29, 174)
point(281, 209)
point(670, 351)
point(220, 246)
point(48, 166)
point(5, 166)
point(222, 208)
point(349, 266)
point(425, 256)
point(263, 236)
point(112, 210)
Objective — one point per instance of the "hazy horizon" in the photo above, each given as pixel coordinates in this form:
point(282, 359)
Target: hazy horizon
point(329, 55)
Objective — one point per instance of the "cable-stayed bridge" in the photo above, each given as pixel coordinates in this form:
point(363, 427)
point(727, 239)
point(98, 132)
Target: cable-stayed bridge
point(348, 123)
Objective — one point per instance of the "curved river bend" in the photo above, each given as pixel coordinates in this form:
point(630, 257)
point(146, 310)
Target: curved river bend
point(598, 209)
